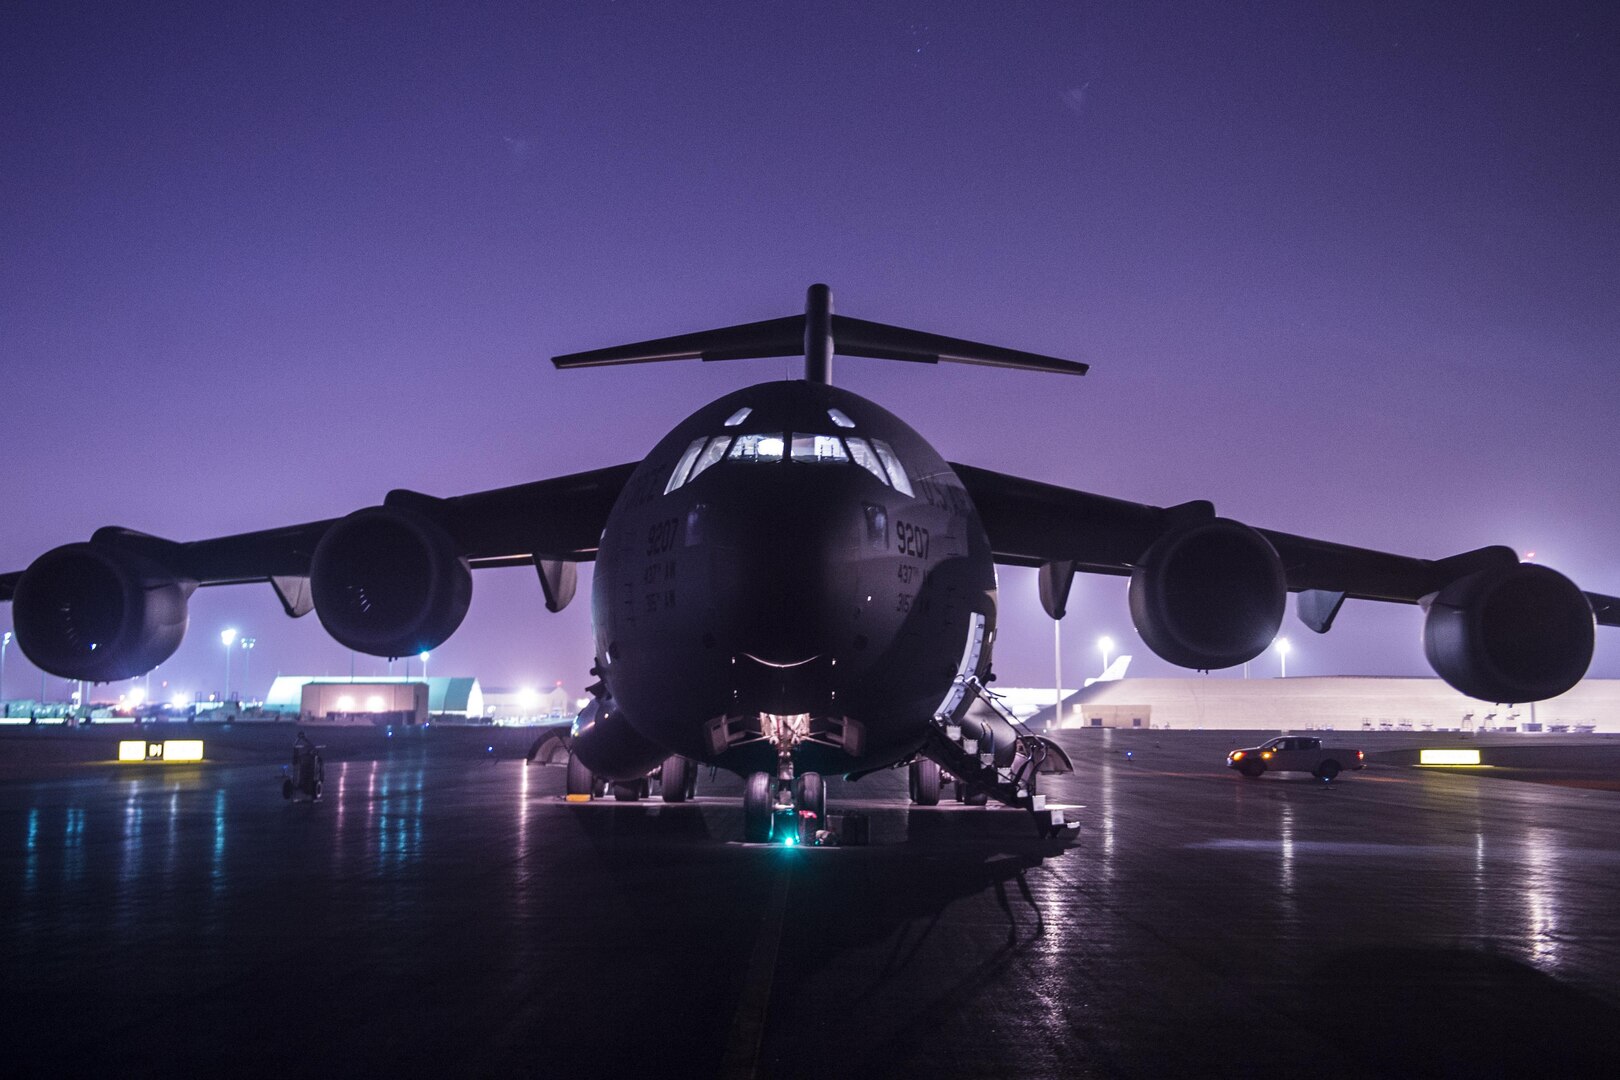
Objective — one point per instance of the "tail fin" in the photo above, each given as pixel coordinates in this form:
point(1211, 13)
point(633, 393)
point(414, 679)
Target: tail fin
point(818, 333)
point(1114, 673)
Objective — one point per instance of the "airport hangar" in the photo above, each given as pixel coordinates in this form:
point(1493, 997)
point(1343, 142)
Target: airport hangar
point(458, 699)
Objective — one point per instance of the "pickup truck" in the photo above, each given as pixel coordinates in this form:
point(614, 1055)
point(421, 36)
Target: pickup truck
point(1295, 753)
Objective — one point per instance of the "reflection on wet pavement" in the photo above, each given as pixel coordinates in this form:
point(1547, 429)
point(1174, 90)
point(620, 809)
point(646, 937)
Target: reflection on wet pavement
point(453, 910)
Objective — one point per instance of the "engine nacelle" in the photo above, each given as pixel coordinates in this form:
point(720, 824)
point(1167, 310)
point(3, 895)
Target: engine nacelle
point(389, 582)
point(1209, 595)
point(93, 612)
point(1511, 634)
point(610, 747)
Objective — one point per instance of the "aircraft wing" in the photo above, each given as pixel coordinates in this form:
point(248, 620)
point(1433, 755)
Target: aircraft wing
point(1036, 524)
point(559, 519)
point(395, 579)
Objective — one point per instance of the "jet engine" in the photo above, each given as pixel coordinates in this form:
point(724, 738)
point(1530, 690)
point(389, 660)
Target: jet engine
point(1510, 634)
point(606, 743)
point(389, 582)
point(1209, 595)
point(98, 613)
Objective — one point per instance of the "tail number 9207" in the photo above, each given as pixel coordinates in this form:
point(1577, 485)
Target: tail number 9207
point(911, 539)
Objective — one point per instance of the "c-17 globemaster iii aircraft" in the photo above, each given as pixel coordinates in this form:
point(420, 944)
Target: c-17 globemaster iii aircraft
point(794, 583)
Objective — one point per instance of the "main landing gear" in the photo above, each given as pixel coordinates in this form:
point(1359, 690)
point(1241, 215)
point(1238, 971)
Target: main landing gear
point(927, 780)
point(788, 811)
point(924, 780)
point(676, 782)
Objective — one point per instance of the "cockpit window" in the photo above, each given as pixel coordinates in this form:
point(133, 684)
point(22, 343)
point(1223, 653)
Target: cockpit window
point(738, 417)
point(839, 417)
point(757, 448)
point(818, 448)
point(712, 453)
point(876, 457)
point(683, 466)
point(897, 472)
point(862, 452)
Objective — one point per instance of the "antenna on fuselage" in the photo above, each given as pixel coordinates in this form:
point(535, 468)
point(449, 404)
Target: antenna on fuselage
point(819, 333)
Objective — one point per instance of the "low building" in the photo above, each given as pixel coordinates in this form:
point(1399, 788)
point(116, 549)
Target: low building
point(528, 705)
point(1340, 702)
point(318, 700)
point(382, 704)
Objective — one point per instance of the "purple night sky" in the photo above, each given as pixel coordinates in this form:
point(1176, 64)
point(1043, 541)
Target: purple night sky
point(1346, 269)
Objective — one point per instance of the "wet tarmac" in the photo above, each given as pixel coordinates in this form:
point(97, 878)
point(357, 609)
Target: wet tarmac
point(443, 913)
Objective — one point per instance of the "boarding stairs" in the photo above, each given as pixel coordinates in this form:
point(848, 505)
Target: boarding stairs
point(968, 749)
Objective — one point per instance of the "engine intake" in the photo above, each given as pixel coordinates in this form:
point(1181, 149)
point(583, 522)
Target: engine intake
point(389, 582)
point(610, 747)
point(92, 612)
point(1511, 634)
point(1209, 595)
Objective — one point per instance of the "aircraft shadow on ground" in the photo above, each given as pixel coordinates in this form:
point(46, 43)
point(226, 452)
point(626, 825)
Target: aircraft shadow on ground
point(608, 825)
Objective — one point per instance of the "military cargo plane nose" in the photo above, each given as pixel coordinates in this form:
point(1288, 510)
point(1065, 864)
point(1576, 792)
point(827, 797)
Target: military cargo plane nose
point(785, 571)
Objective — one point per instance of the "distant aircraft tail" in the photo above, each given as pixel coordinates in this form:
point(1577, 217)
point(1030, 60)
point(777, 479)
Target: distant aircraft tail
point(1114, 672)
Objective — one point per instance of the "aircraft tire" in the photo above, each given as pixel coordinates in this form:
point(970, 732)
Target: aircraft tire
point(810, 793)
point(580, 780)
point(970, 794)
point(925, 782)
point(677, 778)
point(759, 799)
point(628, 790)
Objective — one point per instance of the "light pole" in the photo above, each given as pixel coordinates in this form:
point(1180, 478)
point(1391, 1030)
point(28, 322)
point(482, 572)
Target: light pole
point(1283, 649)
point(247, 659)
point(1106, 644)
point(4, 645)
point(226, 637)
point(424, 657)
point(1057, 672)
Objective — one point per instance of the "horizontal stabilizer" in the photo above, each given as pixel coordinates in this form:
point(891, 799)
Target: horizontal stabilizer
point(849, 337)
point(857, 337)
point(773, 337)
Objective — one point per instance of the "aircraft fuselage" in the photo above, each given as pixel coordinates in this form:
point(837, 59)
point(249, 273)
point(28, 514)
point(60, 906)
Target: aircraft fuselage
point(791, 554)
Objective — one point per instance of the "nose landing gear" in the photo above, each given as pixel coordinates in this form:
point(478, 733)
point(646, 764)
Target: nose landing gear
point(786, 811)
point(759, 808)
point(787, 808)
